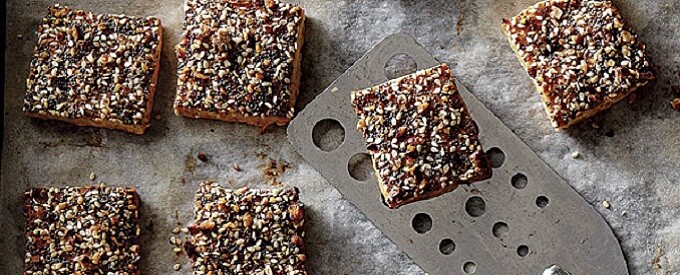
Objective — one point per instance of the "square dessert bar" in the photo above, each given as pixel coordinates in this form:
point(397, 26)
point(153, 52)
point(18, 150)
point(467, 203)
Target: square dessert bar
point(82, 230)
point(240, 61)
point(580, 54)
point(247, 231)
point(420, 135)
point(94, 70)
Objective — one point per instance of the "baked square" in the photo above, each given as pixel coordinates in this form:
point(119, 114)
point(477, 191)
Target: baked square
point(581, 56)
point(94, 70)
point(240, 61)
point(82, 230)
point(247, 231)
point(420, 135)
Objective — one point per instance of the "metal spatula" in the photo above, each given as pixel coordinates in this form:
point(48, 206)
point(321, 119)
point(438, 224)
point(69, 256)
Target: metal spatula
point(524, 220)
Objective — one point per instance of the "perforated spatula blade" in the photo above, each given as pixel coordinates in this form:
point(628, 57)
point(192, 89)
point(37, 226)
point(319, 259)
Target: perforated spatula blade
point(523, 220)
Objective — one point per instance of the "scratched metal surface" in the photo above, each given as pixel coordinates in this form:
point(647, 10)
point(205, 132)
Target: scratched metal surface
point(631, 161)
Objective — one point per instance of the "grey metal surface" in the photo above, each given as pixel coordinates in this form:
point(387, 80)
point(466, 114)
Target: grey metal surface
point(567, 231)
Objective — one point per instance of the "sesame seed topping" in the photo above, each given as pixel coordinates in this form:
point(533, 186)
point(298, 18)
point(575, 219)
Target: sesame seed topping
point(421, 137)
point(580, 54)
point(88, 230)
point(94, 67)
point(606, 204)
point(246, 231)
point(239, 58)
point(575, 155)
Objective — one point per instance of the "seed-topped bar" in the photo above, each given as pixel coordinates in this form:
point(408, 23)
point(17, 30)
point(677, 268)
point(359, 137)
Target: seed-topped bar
point(580, 54)
point(247, 231)
point(239, 61)
point(94, 70)
point(420, 135)
point(82, 230)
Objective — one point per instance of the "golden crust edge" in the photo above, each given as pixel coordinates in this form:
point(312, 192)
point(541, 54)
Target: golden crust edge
point(231, 117)
point(430, 195)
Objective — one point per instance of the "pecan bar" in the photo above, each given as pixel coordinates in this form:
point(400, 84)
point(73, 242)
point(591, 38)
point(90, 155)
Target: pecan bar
point(240, 61)
point(247, 231)
point(420, 135)
point(94, 70)
point(581, 56)
point(82, 230)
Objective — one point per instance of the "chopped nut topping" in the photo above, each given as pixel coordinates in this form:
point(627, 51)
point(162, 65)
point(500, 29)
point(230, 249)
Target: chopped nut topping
point(88, 230)
point(246, 231)
point(94, 67)
point(202, 157)
point(421, 137)
point(580, 54)
point(238, 58)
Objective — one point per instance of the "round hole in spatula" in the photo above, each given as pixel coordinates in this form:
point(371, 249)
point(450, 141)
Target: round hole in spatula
point(519, 181)
point(422, 223)
point(328, 135)
point(522, 251)
point(470, 268)
point(500, 230)
point(399, 65)
point(475, 207)
point(447, 246)
point(496, 157)
point(542, 201)
point(360, 167)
